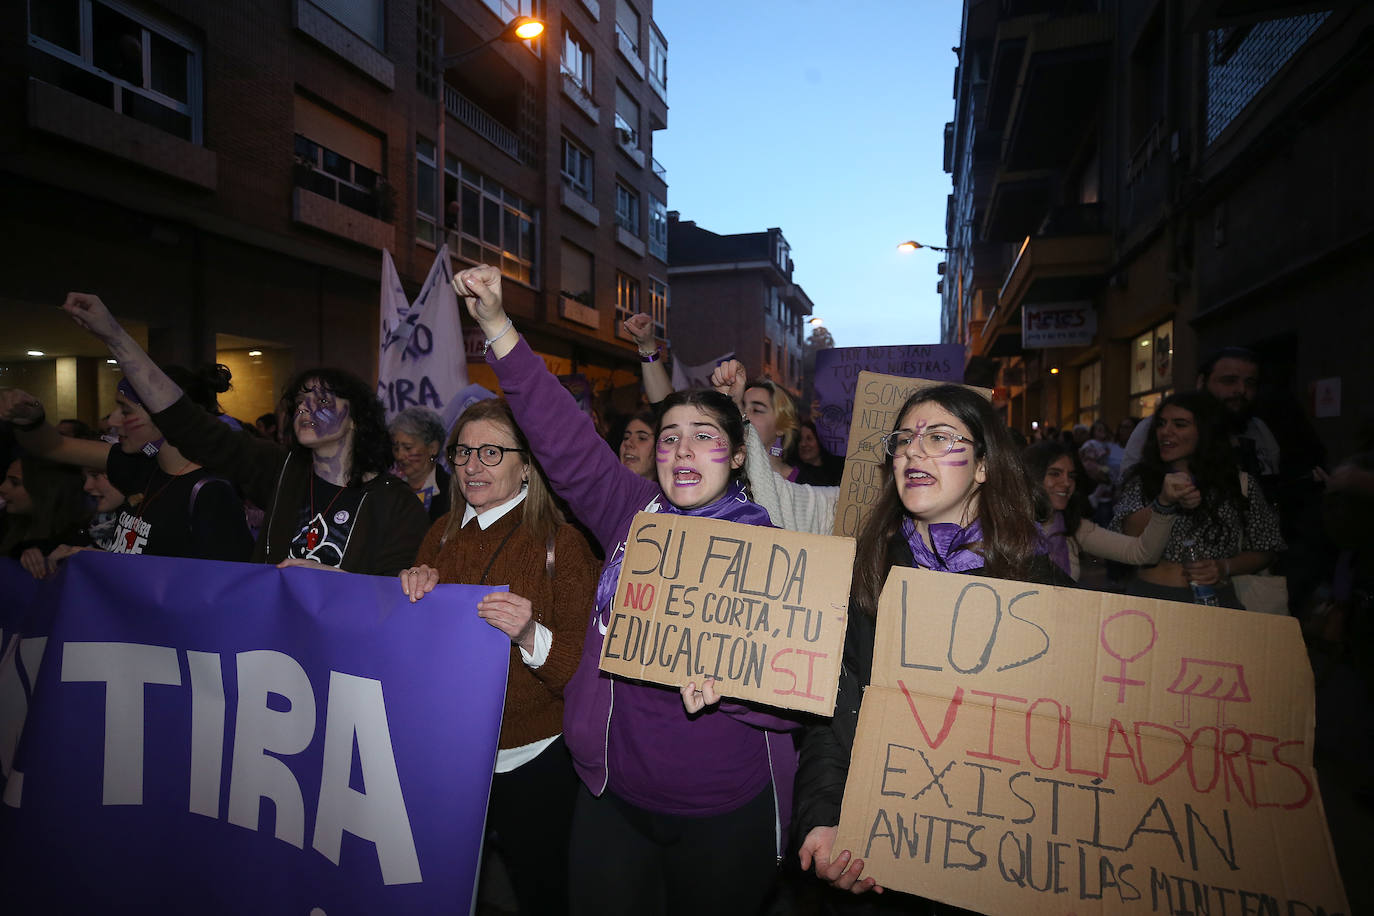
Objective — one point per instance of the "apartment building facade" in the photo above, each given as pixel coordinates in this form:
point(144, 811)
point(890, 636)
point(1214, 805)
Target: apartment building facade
point(734, 294)
point(1137, 184)
point(227, 176)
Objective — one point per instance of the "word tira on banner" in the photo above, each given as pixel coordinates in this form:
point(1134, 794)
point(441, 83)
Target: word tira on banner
point(422, 360)
point(761, 609)
point(1041, 750)
point(238, 738)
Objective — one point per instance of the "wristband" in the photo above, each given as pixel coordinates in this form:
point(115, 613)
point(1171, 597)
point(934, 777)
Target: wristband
point(1161, 509)
point(28, 426)
point(651, 357)
point(487, 342)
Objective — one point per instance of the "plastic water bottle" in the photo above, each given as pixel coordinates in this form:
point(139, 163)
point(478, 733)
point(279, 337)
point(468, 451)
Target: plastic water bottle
point(1202, 594)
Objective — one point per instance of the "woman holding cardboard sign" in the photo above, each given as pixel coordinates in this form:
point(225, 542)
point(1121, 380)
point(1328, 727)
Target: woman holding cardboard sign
point(683, 812)
point(955, 498)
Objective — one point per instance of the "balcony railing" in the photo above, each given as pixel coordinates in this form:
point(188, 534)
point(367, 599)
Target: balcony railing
point(660, 171)
point(490, 129)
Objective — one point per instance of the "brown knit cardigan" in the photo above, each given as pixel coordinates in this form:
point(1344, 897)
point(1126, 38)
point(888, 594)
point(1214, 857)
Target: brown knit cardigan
point(534, 696)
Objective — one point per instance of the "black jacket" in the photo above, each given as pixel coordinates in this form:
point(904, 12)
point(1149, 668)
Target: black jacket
point(390, 524)
point(826, 744)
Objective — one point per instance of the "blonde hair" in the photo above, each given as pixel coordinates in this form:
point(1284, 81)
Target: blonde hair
point(542, 515)
point(785, 423)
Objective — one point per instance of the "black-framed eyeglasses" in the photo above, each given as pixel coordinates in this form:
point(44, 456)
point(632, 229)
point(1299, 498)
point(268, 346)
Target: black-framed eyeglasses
point(490, 455)
point(932, 444)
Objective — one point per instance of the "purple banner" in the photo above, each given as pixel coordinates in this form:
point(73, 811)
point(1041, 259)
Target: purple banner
point(837, 372)
point(234, 738)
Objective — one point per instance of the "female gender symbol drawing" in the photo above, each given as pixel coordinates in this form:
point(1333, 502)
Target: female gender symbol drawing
point(1130, 635)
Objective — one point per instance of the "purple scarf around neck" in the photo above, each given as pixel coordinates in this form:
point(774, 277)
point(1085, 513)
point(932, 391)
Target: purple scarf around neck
point(734, 506)
point(953, 546)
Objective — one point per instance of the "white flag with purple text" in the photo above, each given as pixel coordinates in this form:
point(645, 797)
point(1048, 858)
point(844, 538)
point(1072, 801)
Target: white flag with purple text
point(422, 362)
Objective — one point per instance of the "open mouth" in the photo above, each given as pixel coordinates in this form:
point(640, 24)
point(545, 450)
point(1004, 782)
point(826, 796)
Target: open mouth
point(918, 478)
point(686, 477)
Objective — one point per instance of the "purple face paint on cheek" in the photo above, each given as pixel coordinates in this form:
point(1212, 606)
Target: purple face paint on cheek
point(723, 452)
point(327, 420)
point(664, 453)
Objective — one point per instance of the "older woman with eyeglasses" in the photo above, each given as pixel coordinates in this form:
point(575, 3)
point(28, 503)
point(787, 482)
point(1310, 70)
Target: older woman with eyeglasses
point(503, 527)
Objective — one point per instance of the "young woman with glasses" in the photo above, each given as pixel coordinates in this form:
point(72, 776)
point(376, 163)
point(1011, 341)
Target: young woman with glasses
point(504, 528)
point(955, 498)
point(686, 796)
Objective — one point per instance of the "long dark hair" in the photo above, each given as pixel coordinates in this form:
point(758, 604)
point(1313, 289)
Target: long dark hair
point(721, 408)
point(1006, 507)
point(1212, 464)
point(60, 506)
point(371, 441)
point(1038, 459)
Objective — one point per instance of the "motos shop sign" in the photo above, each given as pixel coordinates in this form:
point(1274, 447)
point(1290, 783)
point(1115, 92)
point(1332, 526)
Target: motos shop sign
point(1058, 324)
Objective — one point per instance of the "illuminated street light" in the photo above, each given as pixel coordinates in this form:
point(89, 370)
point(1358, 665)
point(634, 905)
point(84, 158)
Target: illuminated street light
point(912, 245)
point(521, 28)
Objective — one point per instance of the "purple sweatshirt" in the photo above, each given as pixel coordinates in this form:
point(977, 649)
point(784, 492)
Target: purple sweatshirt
point(635, 738)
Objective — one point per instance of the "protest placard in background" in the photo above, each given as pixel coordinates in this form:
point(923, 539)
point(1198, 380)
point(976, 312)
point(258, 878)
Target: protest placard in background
point(837, 378)
point(762, 609)
point(234, 738)
point(1032, 749)
point(877, 400)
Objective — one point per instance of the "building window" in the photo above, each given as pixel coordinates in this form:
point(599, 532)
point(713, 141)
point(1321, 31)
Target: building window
point(626, 297)
point(364, 18)
point(120, 58)
point(626, 209)
point(658, 228)
point(576, 274)
point(330, 174)
point(577, 61)
point(626, 118)
point(577, 169)
point(494, 225)
point(425, 229)
point(1089, 393)
point(658, 60)
point(627, 25)
point(1152, 368)
point(782, 254)
point(658, 307)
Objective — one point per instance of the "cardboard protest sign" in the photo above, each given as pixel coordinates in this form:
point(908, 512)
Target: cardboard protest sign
point(236, 738)
point(837, 378)
point(763, 609)
point(877, 400)
point(1033, 749)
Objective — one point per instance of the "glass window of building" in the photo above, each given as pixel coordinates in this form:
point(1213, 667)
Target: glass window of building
point(627, 208)
point(626, 117)
point(658, 307)
point(577, 60)
point(627, 24)
point(364, 18)
point(658, 228)
point(577, 169)
point(121, 58)
point(626, 297)
point(1152, 368)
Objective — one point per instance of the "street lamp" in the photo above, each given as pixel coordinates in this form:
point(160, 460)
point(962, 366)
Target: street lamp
point(521, 28)
point(910, 245)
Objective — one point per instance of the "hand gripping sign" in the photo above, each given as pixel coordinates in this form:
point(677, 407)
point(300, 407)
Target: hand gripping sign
point(1031, 749)
point(761, 609)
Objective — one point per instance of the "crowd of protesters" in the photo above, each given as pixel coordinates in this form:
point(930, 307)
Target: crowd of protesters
point(611, 795)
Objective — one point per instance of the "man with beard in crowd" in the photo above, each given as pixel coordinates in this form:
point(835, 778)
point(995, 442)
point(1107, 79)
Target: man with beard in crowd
point(1231, 375)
